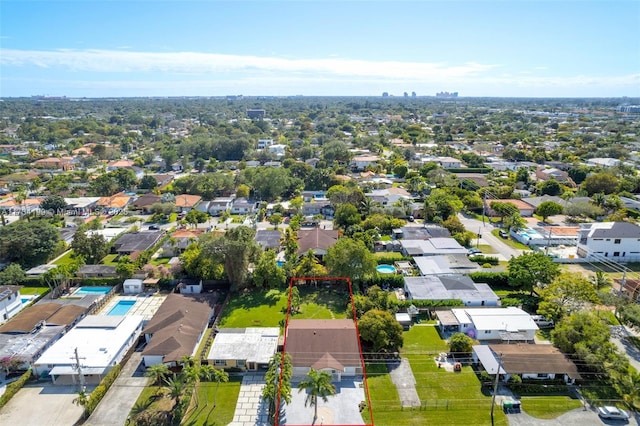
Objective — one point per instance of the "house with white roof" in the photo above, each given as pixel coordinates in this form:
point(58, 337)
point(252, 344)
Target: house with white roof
point(450, 287)
point(509, 324)
point(389, 196)
point(619, 241)
point(10, 302)
point(432, 247)
point(89, 350)
point(248, 349)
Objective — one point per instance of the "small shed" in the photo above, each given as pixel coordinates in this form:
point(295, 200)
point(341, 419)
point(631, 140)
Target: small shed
point(404, 319)
point(132, 286)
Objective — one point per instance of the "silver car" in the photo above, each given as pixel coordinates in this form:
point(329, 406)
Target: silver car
point(610, 412)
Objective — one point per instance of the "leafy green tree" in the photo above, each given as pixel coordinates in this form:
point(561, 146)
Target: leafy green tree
point(176, 387)
point(317, 384)
point(549, 187)
point(460, 343)
point(346, 215)
point(275, 219)
point(195, 217)
point(169, 156)
point(548, 208)
point(277, 379)
point(532, 270)
point(93, 248)
point(148, 182)
point(126, 178)
point(503, 209)
point(267, 273)
point(242, 191)
point(28, 243)
point(104, 185)
point(54, 204)
point(380, 331)
point(568, 293)
point(514, 222)
point(12, 275)
point(441, 204)
point(125, 267)
point(82, 400)
point(350, 258)
point(295, 301)
point(600, 183)
point(309, 266)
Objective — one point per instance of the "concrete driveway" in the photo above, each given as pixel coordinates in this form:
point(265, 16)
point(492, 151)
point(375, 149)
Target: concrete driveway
point(42, 404)
point(121, 396)
point(619, 336)
point(577, 417)
point(340, 409)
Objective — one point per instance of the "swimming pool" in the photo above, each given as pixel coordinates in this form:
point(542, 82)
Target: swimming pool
point(93, 290)
point(386, 269)
point(26, 299)
point(122, 307)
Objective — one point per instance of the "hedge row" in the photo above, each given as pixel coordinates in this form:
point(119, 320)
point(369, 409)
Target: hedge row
point(484, 259)
point(471, 170)
point(99, 392)
point(14, 387)
point(390, 260)
point(392, 280)
point(429, 303)
point(494, 279)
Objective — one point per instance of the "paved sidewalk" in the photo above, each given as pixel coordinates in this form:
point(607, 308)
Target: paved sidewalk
point(250, 410)
point(402, 377)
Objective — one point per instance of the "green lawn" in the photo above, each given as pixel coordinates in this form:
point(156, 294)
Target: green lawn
point(388, 254)
point(487, 249)
point(160, 261)
point(26, 291)
point(548, 407)
point(65, 259)
point(225, 403)
point(269, 308)
point(448, 398)
point(110, 259)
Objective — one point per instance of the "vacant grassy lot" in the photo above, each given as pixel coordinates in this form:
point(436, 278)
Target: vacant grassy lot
point(448, 398)
point(26, 291)
point(268, 308)
point(548, 407)
point(65, 259)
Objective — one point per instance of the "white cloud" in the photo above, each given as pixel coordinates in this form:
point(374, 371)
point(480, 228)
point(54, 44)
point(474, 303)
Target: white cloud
point(112, 61)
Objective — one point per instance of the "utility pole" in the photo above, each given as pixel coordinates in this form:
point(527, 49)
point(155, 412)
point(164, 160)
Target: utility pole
point(80, 375)
point(484, 206)
point(495, 387)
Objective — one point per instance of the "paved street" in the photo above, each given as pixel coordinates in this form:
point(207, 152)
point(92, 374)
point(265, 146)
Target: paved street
point(577, 417)
point(505, 252)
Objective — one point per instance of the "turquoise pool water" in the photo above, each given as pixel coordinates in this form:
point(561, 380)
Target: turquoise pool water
point(386, 269)
point(25, 299)
point(93, 290)
point(122, 307)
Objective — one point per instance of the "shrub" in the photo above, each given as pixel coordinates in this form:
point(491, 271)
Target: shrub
point(14, 387)
point(99, 392)
point(493, 279)
point(484, 259)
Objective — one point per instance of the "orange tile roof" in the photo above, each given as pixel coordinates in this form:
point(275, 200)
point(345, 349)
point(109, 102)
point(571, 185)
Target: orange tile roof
point(186, 200)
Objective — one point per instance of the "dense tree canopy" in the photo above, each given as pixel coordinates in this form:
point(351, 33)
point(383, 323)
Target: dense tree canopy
point(532, 270)
point(380, 331)
point(28, 243)
point(350, 258)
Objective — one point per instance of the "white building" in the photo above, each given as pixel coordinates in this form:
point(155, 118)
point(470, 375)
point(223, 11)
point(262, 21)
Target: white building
point(132, 286)
point(278, 149)
point(10, 302)
point(264, 143)
point(244, 348)
point(489, 324)
point(619, 241)
point(101, 341)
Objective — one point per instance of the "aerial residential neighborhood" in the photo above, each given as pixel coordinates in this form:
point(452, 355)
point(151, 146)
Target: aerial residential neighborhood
point(158, 267)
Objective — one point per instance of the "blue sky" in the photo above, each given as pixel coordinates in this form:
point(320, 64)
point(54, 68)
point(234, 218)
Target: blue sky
point(544, 48)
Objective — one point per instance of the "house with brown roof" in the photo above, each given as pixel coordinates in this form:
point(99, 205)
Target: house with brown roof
point(179, 241)
point(177, 328)
point(119, 164)
point(186, 202)
point(43, 313)
point(316, 239)
point(115, 202)
point(144, 202)
point(529, 361)
point(525, 209)
point(325, 345)
point(54, 163)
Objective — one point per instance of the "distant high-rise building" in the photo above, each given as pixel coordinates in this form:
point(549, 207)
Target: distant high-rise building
point(629, 108)
point(413, 94)
point(385, 94)
point(447, 95)
point(406, 95)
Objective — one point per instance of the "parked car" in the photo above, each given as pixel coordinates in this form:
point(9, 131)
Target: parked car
point(473, 251)
point(154, 228)
point(503, 233)
point(611, 412)
point(542, 322)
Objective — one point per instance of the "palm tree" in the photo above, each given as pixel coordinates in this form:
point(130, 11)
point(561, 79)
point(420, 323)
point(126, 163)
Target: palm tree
point(600, 280)
point(317, 384)
point(176, 388)
point(158, 373)
point(191, 374)
point(82, 400)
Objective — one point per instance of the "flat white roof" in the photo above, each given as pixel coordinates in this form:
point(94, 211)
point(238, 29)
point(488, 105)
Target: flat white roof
point(253, 344)
point(509, 319)
point(99, 339)
point(108, 233)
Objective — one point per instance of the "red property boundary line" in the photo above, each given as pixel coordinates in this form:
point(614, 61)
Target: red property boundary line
point(284, 350)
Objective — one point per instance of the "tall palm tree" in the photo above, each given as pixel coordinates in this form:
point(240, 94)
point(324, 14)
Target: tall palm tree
point(317, 384)
point(176, 388)
point(158, 373)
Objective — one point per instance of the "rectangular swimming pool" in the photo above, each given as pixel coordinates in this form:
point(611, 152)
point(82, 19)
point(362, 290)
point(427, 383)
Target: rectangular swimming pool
point(93, 290)
point(122, 307)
